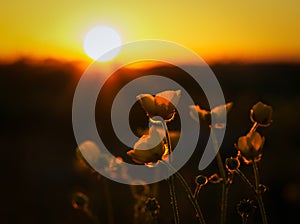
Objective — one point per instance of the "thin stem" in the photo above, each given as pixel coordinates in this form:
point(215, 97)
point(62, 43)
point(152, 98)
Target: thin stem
point(254, 127)
point(258, 194)
point(189, 192)
point(219, 159)
point(90, 215)
point(244, 219)
point(168, 139)
point(197, 190)
point(173, 199)
point(245, 179)
point(171, 178)
point(155, 220)
point(154, 217)
point(221, 167)
point(224, 196)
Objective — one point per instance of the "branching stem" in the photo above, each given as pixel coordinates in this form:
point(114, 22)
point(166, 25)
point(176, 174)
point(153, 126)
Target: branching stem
point(188, 191)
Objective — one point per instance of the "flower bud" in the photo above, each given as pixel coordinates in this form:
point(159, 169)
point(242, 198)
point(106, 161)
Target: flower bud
point(201, 180)
point(80, 201)
point(215, 179)
point(250, 147)
point(261, 189)
point(262, 114)
point(232, 164)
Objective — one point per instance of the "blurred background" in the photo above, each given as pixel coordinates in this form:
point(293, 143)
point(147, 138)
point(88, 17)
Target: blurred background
point(39, 156)
point(252, 47)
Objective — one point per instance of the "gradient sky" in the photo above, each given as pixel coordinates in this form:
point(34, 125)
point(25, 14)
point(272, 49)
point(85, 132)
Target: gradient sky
point(217, 30)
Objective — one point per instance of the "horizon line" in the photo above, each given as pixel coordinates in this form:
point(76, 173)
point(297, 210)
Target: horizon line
point(79, 62)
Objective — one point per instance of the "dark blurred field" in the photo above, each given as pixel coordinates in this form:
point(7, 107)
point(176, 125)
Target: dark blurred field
point(38, 145)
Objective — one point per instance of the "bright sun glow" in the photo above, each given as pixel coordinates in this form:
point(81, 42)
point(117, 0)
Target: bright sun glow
point(102, 43)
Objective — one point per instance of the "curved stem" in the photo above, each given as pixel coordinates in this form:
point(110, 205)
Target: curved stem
point(224, 196)
point(91, 216)
point(258, 194)
point(245, 179)
point(171, 178)
point(244, 219)
point(189, 192)
point(155, 220)
point(168, 139)
point(221, 168)
point(197, 190)
point(173, 199)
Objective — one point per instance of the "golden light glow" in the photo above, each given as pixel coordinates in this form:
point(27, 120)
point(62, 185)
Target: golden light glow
point(102, 43)
point(246, 31)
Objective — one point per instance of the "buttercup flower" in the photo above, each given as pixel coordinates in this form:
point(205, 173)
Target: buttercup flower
point(262, 114)
point(160, 104)
point(89, 157)
point(149, 148)
point(116, 169)
point(250, 147)
point(196, 112)
point(217, 113)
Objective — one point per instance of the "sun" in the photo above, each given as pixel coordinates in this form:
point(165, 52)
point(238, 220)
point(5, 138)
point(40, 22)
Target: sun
point(102, 43)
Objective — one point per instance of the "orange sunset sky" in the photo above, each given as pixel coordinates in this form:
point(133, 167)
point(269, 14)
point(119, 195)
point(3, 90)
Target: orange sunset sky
point(247, 31)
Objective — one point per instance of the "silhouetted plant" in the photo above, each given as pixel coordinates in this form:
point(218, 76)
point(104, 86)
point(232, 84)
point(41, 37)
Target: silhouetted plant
point(249, 150)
